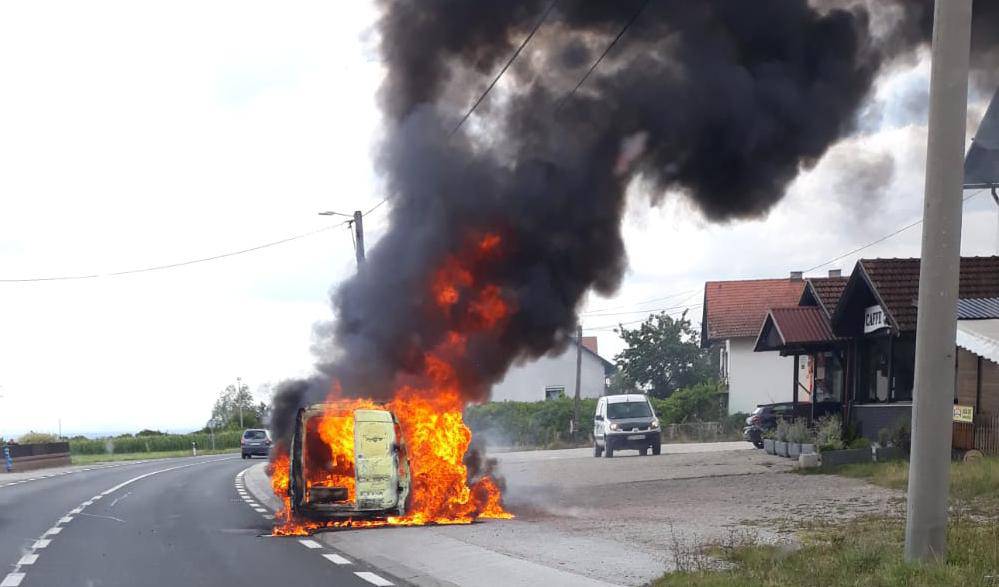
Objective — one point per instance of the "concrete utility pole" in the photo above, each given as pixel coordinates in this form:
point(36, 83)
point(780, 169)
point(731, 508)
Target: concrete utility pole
point(579, 368)
point(359, 237)
point(929, 470)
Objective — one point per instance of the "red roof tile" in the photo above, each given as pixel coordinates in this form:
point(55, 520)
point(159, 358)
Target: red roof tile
point(737, 308)
point(801, 325)
point(897, 283)
point(828, 291)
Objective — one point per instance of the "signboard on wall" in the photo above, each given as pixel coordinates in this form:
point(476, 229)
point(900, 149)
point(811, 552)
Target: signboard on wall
point(874, 319)
point(964, 414)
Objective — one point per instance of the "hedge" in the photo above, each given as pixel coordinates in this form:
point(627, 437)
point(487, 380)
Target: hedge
point(167, 442)
point(546, 423)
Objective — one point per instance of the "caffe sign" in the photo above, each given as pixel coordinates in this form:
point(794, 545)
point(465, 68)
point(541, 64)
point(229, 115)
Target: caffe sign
point(874, 319)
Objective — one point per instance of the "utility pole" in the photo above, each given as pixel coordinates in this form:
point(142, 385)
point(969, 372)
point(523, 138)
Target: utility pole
point(936, 326)
point(579, 367)
point(239, 399)
point(359, 237)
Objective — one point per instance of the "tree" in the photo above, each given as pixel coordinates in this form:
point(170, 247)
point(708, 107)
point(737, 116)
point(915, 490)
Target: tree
point(37, 438)
point(226, 412)
point(663, 355)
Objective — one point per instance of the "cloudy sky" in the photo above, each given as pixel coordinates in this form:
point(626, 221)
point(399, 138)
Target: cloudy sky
point(139, 135)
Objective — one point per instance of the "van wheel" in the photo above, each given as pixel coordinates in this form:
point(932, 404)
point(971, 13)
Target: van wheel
point(608, 449)
point(657, 448)
point(644, 452)
point(597, 451)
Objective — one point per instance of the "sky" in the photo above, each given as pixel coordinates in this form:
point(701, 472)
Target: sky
point(137, 135)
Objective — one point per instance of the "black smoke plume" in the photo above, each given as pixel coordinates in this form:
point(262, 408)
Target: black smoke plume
point(721, 101)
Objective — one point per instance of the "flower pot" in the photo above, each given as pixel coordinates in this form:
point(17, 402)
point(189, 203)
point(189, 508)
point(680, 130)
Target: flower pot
point(888, 453)
point(768, 446)
point(832, 458)
point(781, 448)
point(793, 450)
point(807, 449)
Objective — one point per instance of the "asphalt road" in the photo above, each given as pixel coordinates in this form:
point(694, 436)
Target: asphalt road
point(165, 522)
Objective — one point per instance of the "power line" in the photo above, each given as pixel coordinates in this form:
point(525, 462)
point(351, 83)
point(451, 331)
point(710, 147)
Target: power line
point(659, 299)
point(629, 323)
point(882, 239)
point(506, 66)
point(375, 207)
point(650, 311)
point(173, 265)
point(607, 50)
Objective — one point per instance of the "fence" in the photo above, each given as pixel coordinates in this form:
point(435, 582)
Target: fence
point(25, 457)
point(987, 433)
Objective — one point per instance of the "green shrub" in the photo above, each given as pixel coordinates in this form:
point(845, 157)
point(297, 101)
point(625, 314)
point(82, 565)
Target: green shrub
point(859, 442)
point(37, 438)
point(798, 432)
point(165, 442)
point(829, 433)
point(896, 435)
point(780, 433)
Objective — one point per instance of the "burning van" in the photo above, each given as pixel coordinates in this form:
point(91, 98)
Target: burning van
point(348, 462)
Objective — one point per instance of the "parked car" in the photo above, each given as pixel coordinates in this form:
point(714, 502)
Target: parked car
point(372, 481)
point(255, 442)
point(625, 421)
point(766, 416)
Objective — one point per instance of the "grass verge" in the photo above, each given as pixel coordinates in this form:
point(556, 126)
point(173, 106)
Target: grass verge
point(865, 551)
point(142, 456)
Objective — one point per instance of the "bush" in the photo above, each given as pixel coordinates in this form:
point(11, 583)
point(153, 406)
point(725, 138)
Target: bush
point(37, 438)
point(780, 433)
point(859, 442)
point(829, 433)
point(165, 442)
point(701, 403)
point(896, 435)
point(798, 432)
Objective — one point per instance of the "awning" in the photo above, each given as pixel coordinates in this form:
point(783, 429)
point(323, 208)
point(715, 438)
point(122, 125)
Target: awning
point(794, 328)
point(980, 337)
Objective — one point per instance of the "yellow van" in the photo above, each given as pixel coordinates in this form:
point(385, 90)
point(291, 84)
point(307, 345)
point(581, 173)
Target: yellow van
point(373, 481)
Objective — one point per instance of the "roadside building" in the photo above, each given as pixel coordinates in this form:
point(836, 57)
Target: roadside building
point(862, 343)
point(554, 376)
point(730, 323)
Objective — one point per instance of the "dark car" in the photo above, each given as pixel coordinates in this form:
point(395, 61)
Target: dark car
point(255, 442)
point(766, 416)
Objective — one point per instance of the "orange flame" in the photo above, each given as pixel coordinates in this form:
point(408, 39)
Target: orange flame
point(430, 417)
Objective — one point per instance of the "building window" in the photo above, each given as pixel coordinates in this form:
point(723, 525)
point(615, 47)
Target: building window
point(903, 368)
point(886, 369)
point(828, 377)
point(554, 392)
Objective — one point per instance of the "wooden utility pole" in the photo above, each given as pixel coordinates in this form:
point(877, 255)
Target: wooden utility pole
point(939, 271)
point(579, 368)
point(359, 236)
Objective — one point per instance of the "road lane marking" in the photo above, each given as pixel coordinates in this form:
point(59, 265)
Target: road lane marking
point(373, 578)
point(40, 543)
point(76, 510)
point(336, 559)
point(268, 516)
point(28, 559)
point(53, 531)
point(65, 520)
point(12, 580)
point(310, 544)
point(260, 510)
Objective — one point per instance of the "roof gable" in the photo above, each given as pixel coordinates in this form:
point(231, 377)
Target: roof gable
point(795, 327)
point(823, 292)
point(735, 309)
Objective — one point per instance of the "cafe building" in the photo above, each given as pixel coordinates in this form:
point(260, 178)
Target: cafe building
point(860, 335)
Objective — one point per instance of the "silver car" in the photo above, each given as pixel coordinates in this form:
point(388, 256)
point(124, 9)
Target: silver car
point(625, 421)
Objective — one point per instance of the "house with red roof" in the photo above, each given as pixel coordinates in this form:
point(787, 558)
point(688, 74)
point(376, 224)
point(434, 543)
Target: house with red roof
point(730, 324)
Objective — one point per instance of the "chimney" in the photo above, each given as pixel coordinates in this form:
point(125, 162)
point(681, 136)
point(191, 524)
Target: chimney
point(835, 273)
point(796, 275)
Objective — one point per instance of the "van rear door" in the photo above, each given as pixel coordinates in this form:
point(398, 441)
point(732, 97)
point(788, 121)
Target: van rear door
point(374, 460)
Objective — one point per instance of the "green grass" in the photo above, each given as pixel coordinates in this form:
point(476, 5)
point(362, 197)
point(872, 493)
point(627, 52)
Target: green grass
point(142, 456)
point(866, 551)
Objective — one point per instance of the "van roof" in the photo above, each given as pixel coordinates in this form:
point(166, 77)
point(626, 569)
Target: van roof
point(372, 416)
point(625, 397)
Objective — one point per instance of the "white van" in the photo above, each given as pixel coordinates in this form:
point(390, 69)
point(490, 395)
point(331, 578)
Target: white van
point(625, 421)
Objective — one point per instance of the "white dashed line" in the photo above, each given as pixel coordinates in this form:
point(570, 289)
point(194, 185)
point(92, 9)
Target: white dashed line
point(268, 516)
point(260, 510)
point(336, 559)
point(28, 559)
point(65, 520)
point(76, 510)
point(310, 544)
point(40, 543)
point(53, 531)
point(373, 578)
point(12, 580)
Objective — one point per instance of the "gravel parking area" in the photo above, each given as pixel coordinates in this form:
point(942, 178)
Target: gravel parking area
point(595, 521)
